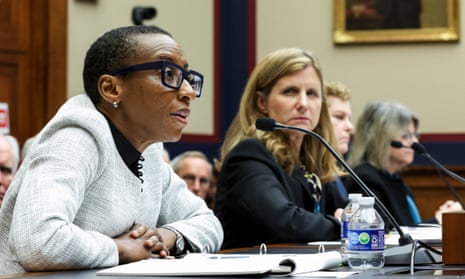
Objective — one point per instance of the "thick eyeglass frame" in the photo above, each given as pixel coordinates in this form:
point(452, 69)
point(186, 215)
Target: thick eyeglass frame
point(194, 78)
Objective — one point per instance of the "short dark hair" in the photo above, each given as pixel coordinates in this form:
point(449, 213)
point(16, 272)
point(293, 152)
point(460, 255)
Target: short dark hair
point(110, 52)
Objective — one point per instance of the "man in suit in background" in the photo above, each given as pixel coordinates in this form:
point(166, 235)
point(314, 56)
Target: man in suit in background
point(195, 168)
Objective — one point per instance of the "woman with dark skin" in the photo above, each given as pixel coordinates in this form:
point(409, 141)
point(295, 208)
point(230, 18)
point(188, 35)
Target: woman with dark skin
point(93, 190)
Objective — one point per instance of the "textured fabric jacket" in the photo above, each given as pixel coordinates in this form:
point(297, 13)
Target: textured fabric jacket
point(258, 202)
point(74, 192)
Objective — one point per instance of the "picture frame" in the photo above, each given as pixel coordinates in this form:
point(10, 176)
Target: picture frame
point(371, 22)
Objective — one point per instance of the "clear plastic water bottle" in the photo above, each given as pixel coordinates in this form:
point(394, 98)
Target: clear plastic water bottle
point(349, 210)
point(365, 244)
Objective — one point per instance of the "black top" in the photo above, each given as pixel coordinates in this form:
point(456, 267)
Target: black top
point(130, 155)
point(258, 202)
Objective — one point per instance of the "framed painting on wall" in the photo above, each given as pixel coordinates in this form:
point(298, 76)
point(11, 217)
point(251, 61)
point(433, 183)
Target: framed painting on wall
point(395, 21)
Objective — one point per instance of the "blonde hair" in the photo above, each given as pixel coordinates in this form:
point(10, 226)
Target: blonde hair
point(273, 67)
point(338, 90)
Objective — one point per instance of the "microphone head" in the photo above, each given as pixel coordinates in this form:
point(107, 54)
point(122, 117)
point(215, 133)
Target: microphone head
point(265, 124)
point(419, 148)
point(397, 144)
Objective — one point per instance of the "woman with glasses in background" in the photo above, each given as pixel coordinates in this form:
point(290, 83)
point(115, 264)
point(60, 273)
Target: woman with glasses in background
point(384, 133)
point(93, 190)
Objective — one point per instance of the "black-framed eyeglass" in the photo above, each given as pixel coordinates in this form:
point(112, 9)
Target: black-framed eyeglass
point(172, 74)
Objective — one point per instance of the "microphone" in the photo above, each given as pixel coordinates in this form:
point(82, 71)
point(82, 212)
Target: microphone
point(419, 148)
point(398, 144)
point(268, 124)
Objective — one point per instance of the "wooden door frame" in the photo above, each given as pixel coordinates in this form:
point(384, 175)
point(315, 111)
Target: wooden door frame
point(34, 55)
point(53, 61)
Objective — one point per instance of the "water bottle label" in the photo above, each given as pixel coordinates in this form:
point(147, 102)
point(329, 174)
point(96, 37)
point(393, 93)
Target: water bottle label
point(365, 240)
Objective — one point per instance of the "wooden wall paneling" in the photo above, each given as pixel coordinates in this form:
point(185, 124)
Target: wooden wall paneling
point(13, 74)
point(14, 63)
point(33, 40)
point(57, 57)
point(38, 57)
point(14, 25)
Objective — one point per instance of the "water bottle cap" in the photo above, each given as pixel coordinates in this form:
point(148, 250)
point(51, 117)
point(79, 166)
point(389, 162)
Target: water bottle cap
point(366, 201)
point(353, 196)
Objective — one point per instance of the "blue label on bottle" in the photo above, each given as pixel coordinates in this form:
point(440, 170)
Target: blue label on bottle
point(366, 240)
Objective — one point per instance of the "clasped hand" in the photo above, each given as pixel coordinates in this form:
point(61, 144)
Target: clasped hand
point(142, 242)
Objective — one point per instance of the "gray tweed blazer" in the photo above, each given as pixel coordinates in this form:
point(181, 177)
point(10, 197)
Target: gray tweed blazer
point(73, 193)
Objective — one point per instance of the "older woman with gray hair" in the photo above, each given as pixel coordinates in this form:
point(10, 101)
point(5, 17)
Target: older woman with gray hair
point(378, 163)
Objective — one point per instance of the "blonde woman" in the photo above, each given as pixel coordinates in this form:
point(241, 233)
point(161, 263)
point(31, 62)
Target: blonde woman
point(270, 183)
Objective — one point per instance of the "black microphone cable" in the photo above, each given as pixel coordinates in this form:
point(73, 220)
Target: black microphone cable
point(419, 148)
point(440, 169)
